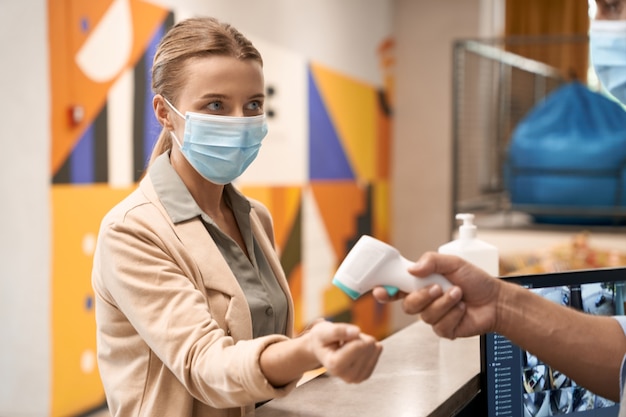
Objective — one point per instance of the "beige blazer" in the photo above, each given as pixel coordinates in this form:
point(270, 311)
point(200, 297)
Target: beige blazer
point(173, 326)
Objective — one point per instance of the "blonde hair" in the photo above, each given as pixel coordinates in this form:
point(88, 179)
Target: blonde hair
point(192, 38)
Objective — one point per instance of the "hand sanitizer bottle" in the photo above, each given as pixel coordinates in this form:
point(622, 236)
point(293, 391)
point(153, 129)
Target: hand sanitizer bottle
point(472, 249)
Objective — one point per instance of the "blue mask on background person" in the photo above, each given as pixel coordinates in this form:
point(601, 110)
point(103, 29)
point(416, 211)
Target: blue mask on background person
point(607, 43)
point(220, 148)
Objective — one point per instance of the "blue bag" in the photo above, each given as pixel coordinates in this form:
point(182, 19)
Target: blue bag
point(566, 159)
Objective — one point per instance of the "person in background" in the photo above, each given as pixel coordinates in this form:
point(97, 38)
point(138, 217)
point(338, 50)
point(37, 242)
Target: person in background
point(607, 42)
point(590, 349)
point(193, 311)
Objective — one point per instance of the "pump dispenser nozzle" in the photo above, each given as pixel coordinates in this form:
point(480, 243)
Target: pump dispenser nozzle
point(470, 248)
point(467, 230)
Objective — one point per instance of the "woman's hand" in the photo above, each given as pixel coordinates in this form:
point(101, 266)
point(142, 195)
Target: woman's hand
point(341, 348)
point(344, 351)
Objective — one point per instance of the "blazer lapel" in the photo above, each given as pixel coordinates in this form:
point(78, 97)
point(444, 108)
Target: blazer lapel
point(216, 275)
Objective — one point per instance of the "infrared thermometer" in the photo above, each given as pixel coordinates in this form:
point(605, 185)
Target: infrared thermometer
point(372, 263)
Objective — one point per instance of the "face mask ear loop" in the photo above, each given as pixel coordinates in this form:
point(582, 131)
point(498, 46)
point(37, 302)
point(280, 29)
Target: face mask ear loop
point(176, 139)
point(178, 113)
point(173, 108)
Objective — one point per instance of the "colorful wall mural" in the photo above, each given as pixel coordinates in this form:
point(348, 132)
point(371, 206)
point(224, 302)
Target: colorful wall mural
point(103, 130)
point(101, 135)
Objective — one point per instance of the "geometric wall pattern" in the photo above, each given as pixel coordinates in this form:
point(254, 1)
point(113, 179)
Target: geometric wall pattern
point(344, 197)
point(103, 130)
point(100, 54)
point(347, 181)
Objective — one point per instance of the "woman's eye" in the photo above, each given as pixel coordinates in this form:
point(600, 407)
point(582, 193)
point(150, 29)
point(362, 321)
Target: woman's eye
point(215, 106)
point(254, 105)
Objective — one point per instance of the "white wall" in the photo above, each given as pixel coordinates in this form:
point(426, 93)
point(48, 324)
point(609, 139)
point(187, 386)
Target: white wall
point(422, 153)
point(326, 31)
point(24, 209)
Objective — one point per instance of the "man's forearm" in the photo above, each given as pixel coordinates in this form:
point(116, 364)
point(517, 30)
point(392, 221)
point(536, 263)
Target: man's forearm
point(589, 349)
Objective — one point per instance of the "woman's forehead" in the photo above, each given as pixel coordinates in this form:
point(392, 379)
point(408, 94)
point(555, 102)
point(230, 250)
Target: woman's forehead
point(223, 72)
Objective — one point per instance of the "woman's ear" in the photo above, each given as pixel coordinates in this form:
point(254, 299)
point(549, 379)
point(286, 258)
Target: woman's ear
point(162, 112)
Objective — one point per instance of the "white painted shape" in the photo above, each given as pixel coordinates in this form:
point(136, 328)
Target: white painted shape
point(120, 131)
point(318, 259)
point(283, 158)
point(88, 361)
point(107, 49)
point(89, 244)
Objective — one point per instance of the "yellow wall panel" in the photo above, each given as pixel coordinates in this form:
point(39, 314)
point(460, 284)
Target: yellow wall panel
point(76, 215)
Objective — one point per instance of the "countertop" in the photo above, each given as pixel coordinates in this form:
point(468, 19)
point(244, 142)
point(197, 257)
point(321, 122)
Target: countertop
point(418, 374)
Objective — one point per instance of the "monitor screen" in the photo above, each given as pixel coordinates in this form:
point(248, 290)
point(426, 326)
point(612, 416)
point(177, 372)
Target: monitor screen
point(516, 383)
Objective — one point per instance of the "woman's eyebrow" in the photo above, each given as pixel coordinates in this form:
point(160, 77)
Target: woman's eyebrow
point(214, 95)
point(257, 96)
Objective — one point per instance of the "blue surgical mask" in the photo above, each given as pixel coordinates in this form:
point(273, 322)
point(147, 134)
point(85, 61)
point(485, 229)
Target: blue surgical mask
point(607, 43)
point(220, 148)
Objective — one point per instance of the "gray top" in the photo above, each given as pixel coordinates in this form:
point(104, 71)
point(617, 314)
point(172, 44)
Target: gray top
point(268, 305)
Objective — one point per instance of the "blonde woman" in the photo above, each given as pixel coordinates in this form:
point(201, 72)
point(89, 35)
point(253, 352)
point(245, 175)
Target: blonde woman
point(194, 315)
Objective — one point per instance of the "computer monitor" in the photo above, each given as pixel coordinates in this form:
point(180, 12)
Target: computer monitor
point(516, 383)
